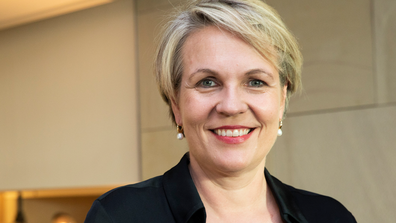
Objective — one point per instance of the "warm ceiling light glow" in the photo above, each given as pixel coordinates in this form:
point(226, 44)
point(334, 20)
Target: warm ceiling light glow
point(17, 12)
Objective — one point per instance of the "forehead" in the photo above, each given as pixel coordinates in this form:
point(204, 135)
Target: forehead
point(210, 37)
point(215, 48)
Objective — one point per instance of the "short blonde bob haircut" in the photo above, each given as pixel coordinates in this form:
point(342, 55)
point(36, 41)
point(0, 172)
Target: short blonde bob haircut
point(253, 21)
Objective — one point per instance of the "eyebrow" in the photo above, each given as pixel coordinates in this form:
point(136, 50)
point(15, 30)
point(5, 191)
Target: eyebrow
point(250, 72)
point(258, 71)
point(204, 70)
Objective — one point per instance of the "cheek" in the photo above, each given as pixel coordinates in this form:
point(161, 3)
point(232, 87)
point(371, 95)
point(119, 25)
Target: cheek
point(266, 107)
point(195, 108)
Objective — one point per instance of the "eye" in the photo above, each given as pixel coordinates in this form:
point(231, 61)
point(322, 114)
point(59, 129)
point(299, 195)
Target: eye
point(207, 83)
point(256, 83)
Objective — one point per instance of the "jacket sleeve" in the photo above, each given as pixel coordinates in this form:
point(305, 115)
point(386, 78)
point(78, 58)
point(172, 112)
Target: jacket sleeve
point(97, 214)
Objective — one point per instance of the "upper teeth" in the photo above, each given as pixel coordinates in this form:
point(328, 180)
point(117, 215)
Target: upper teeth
point(232, 133)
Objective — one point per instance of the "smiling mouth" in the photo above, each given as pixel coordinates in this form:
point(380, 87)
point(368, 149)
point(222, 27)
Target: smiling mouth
point(232, 132)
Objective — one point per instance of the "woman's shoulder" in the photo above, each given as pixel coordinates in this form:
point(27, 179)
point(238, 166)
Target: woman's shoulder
point(140, 202)
point(320, 208)
point(142, 189)
point(305, 206)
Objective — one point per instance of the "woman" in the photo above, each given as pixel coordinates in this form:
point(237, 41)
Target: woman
point(227, 69)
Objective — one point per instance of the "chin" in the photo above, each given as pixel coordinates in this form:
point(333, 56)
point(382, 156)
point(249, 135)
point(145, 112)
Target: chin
point(236, 161)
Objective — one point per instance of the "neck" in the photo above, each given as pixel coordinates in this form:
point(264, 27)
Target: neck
point(225, 194)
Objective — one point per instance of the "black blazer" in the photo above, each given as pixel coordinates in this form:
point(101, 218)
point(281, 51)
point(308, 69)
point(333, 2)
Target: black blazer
point(173, 197)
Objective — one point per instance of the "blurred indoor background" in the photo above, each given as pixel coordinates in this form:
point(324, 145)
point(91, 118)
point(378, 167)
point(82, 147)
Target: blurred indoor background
point(80, 112)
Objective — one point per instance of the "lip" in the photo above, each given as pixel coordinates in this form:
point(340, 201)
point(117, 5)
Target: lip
point(233, 140)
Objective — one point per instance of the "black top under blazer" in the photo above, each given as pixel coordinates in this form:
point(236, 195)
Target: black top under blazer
point(173, 197)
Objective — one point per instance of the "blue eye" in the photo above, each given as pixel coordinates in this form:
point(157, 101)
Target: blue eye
point(256, 83)
point(208, 83)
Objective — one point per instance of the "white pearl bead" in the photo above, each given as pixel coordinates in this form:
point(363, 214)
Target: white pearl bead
point(280, 132)
point(180, 136)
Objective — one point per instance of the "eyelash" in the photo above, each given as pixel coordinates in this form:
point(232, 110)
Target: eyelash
point(262, 83)
point(201, 83)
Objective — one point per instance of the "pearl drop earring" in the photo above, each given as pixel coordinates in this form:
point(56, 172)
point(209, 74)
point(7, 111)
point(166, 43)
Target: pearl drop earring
point(180, 132)
point(280, 129)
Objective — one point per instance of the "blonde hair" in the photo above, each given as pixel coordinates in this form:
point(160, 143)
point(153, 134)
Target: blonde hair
point(255, 22)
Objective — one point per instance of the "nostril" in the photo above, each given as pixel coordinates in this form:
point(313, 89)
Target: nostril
point(231, 110)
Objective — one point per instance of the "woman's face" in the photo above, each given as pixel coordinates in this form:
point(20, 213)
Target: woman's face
point(230, 102)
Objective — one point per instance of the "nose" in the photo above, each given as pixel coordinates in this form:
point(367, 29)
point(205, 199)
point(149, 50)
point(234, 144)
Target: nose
point(231, 102)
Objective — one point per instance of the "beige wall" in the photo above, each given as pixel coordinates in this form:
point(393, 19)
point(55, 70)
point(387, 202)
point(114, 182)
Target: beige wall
point(68, 100)
point(339, 135)
point(160, 150)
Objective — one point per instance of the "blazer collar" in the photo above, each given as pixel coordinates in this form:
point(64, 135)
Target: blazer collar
point(186, 205)
point(287, 206)
point(181, 193)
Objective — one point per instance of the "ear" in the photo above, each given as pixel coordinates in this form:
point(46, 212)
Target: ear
point(176, 112)
point(283, 101)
